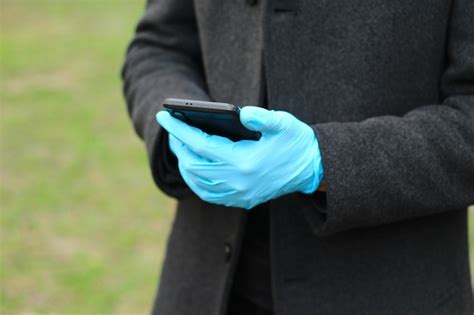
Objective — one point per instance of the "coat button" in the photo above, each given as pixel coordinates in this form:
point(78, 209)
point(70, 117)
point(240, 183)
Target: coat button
point(227, 252)
point(251, 2)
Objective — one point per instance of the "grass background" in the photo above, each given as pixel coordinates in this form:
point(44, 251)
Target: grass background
point(82, 225)
point(83, 228)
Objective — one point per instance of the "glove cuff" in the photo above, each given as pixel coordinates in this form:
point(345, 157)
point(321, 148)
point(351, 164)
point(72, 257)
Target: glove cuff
point(317, 170)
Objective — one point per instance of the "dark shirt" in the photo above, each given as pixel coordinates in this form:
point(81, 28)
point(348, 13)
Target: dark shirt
point(253, 278)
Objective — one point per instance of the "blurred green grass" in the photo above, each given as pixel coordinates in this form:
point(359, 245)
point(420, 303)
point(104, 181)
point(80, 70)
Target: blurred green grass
point(82, 225)
point(83, 229)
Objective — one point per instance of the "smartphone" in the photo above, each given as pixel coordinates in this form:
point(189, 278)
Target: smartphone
point(214, 118)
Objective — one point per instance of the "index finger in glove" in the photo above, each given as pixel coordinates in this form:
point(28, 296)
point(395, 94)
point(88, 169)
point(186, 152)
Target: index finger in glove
point(214, 148)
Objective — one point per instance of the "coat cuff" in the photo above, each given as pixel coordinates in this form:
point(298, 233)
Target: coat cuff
point(336, 209)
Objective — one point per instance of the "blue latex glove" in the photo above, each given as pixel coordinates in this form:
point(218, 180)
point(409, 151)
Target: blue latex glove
point(246, 173)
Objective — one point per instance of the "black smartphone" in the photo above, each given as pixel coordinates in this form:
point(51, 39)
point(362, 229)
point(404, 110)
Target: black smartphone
point(214, 118)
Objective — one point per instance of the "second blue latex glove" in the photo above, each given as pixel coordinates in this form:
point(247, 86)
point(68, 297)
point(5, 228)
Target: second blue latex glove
point(246, 173)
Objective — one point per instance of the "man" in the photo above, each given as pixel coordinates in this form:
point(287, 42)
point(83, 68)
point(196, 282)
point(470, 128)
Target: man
point(373, 98)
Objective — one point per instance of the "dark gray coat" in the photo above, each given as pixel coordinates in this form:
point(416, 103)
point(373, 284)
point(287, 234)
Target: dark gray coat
point(387, 85)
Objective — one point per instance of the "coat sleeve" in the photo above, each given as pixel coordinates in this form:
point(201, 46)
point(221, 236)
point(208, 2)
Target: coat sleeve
point(163, 60)
point(387, 169)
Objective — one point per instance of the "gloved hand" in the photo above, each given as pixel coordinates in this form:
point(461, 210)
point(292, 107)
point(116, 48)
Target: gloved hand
point(246, 173)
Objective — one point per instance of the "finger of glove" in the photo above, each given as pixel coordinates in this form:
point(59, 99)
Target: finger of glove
point(263, 120)
point(189, 181)
point(210, 190)
point(221, 198)
point(196, 164)
point(203, 191)
point(211, 185)
point(187, 157)
point(174, 144)
point(207, 146)
point(221, 193)
point(226, 199)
